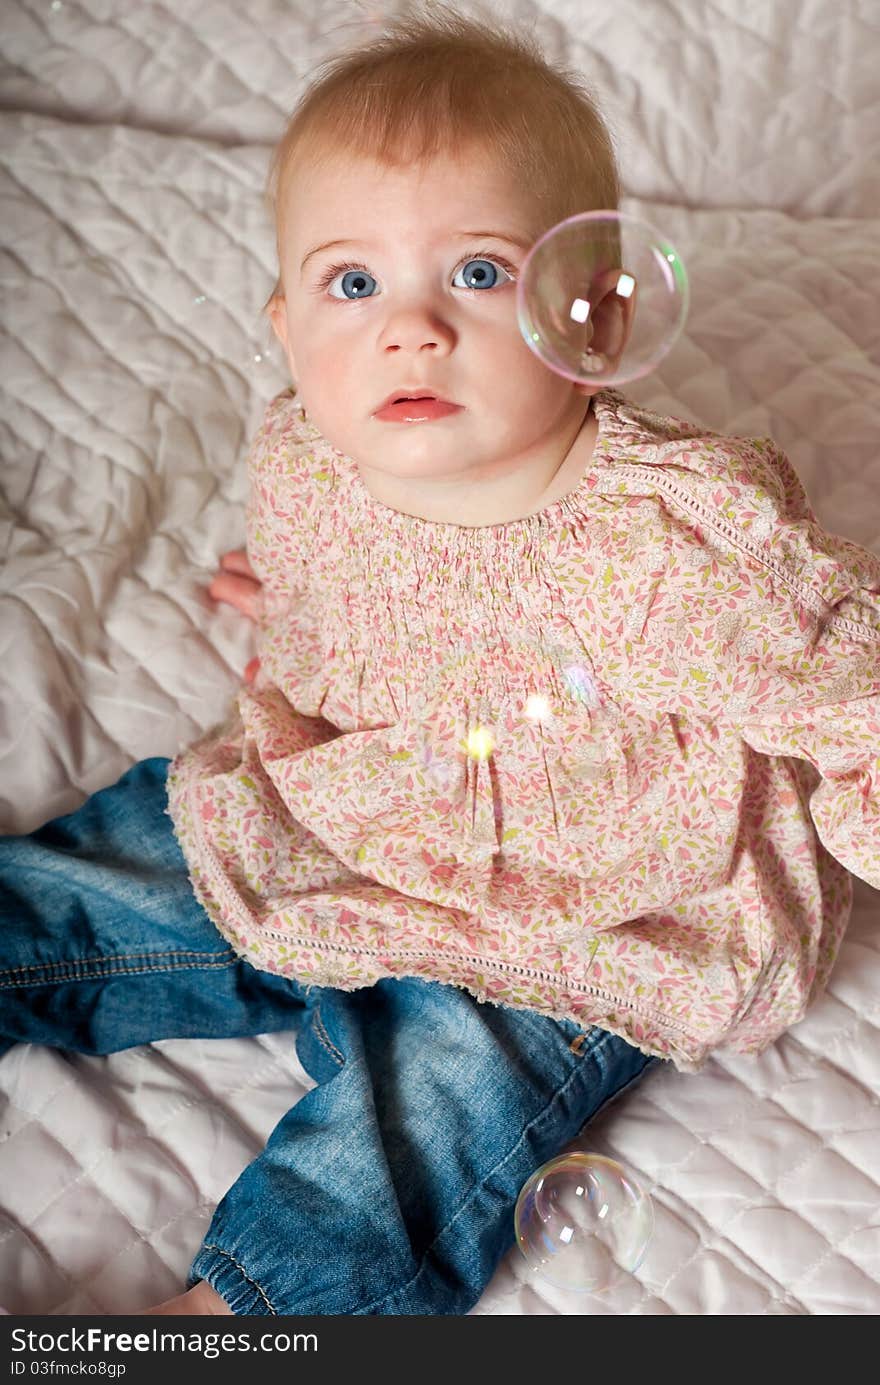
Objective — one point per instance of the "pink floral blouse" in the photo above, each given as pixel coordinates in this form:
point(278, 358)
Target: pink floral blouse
point(612, 762)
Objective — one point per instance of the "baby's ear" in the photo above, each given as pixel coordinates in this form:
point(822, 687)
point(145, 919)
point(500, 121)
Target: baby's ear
point(276, 310)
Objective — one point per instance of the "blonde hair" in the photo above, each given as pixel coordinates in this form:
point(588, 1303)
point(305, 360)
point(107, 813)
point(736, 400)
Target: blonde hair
point(437, 81)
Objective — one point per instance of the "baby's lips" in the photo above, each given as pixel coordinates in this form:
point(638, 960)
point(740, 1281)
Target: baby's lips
point(250, 671)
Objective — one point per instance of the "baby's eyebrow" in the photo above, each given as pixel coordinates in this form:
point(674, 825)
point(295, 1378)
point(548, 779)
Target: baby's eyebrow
point(507, 236)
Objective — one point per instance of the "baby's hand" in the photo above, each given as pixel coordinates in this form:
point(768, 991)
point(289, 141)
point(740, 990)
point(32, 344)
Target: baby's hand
point(237, 584)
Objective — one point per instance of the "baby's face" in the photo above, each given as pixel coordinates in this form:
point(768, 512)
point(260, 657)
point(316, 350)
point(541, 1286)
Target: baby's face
point(430, 305)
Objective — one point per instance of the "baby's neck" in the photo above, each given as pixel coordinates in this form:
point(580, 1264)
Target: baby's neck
point(572, 467)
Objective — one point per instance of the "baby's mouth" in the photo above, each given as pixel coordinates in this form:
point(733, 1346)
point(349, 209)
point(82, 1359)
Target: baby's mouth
point(411, 396)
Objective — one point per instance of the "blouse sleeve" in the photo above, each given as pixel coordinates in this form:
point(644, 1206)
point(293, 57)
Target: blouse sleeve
point(275, 515)
point(814, 685)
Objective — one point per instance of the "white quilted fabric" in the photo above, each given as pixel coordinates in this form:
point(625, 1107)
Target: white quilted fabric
point(135, 256)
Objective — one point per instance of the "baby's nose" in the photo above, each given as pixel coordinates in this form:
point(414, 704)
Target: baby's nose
point(419, 330)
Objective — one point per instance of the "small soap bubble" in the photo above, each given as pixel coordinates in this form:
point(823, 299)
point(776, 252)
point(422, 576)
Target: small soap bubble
point(441, 770)
point(537, 708)
point(581, 685)
point(583, 1222)
point(260, 349)
point(602, 298)
point(479, 742)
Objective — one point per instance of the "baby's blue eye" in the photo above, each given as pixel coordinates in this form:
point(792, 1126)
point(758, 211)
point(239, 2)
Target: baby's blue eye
point(480, 274)
point(355, 283)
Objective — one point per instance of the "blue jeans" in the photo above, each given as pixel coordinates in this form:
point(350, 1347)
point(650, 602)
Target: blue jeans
point(389, 1187)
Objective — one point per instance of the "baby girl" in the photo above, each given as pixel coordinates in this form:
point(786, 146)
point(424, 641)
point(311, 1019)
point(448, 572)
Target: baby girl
point(561, 743)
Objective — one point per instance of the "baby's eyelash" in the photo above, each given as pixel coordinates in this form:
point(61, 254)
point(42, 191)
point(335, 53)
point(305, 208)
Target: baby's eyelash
point(330, 274)
point(490, 255)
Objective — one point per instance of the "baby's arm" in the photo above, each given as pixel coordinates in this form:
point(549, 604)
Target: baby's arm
point(236, 584)
point(805, 661)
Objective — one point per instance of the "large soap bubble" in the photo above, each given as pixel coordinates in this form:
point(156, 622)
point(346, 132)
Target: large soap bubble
point(583, 1222)
point(602, 297)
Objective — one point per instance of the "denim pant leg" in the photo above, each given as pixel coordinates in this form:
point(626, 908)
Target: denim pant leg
point(103, 944)
point(387, 1189)
point(390, 1187)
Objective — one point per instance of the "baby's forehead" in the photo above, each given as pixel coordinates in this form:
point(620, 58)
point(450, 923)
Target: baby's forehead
point(342, 192)
point(314, 170)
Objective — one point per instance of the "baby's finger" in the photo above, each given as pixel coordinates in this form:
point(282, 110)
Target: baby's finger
point(250, 671)
point(240, 592)
point(237, 561)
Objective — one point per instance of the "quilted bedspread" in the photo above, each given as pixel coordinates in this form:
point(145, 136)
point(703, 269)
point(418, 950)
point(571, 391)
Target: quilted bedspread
point(136, 253)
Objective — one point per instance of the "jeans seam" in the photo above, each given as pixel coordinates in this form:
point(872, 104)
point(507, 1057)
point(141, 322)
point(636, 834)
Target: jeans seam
point(206, 1245)
point(52, 973)
point(324, 1038)
point(605, 1038)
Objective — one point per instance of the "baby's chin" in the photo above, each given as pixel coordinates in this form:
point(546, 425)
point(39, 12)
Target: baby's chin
point(399, 449)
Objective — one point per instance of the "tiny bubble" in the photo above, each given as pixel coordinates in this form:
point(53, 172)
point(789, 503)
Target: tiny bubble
point(201, 298)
